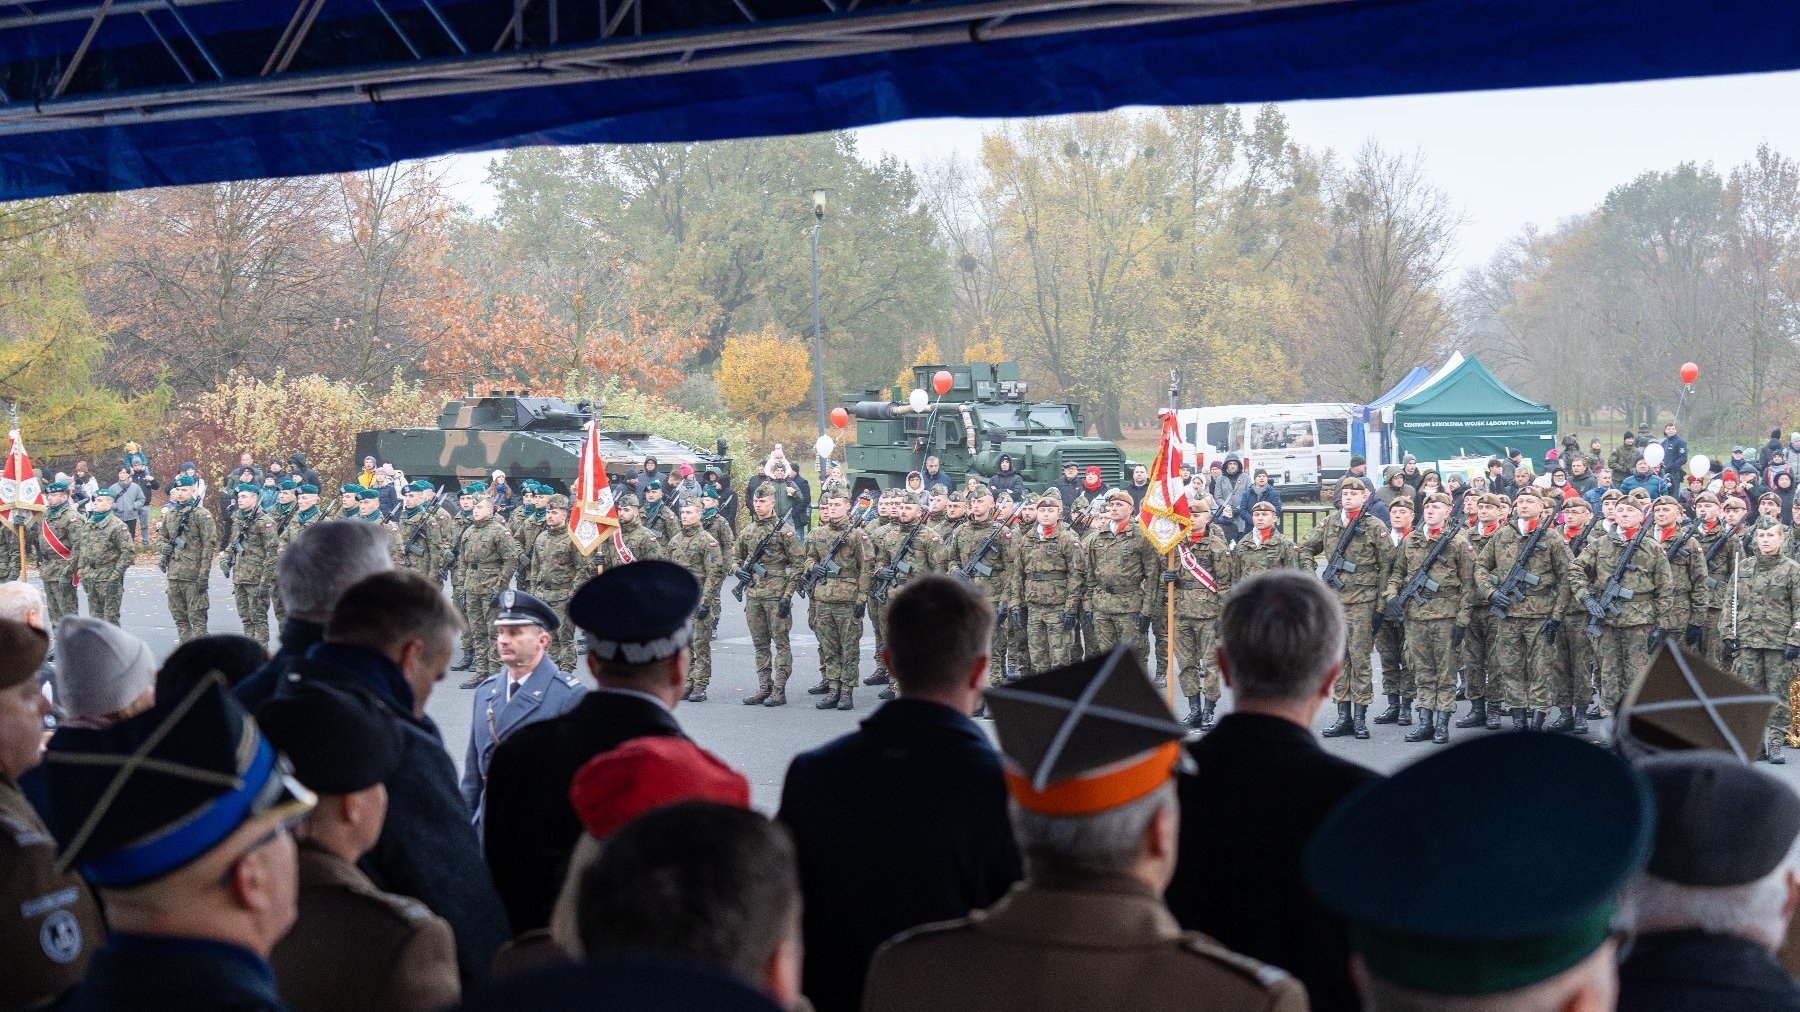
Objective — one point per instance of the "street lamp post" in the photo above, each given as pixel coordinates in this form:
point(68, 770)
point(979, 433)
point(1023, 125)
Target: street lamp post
point(818, 201)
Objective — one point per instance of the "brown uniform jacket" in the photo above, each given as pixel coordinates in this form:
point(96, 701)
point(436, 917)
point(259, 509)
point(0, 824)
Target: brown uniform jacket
point(49, 922)
point(1092, 943)
point(355, 947)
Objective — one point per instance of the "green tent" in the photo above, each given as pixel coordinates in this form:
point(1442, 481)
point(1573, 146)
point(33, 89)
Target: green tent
point(1469, 413)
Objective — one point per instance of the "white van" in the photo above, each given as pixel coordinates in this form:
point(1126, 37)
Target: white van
point(1298, 444)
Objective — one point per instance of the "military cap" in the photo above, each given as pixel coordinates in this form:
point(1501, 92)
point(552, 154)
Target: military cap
point(1081, 505)
point(1004, 499)
point(183, 481)
point(421, 485)
point(653, 485)
point(1632, 502)
point(558, 501)
point(1767, 524)
point(980, 490)
point(289, 485)
point(1611, 495)
point(1534, 492)
point(1639, 494)
point(1440, 498)
point(1085, 738)
point(1768, 497)
point(351, 488)
point(1117, 493)
point(1357, 458)
point(637, 614)
point(56, 486)
point(1049, 499)
point(649, 772)
point(144, 797)
point(1263, 506)
point(1735, 500)
point(106, 492)
point(766, 490)
point(1495, 499)
point(1452, 933)
point(1202, 501)
point(959, 497)
point(1577, 502)
point(1719, 823)
point(1051, 493)
point(889, 494)
point(337, 743)
point(1400, 502)
point(244, 486)
point(833, 493)
point(627, 499)
point(22, 650)
point(1351, 481)
point(1666, 500)
point(520, 608)
point(308, 488)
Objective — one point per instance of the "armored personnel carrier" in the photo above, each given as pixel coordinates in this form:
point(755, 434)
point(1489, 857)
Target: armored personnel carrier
point(984, 414)
point(527, 437)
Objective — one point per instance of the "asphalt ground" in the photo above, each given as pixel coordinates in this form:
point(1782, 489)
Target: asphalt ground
point(758, 741)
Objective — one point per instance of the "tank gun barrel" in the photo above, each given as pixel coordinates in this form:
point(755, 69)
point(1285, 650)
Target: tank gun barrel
point(880, 410)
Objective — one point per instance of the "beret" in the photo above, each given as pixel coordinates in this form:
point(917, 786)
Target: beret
point(420, 485)
point(289, 486)
point(184, 481)
point(475, 488)
point(1263, 506)
point(349, 488)
point(1577, 502)
point(1350, 481)
point(1666, 500)
point(649, 772)
point(1440, 498)
point(1611, 495)
point(368, 493)
point(1719, 823)
point(637, 613)
point(247, 487)
point(627, 499)
point(308, 488)
point(1113, 494)
point(1400, 502)
point(338, 743)
point(558, 501)
point(105, 492)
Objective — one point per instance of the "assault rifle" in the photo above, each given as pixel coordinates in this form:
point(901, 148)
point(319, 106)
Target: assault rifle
point(1509, 592)
point(747, 573)
point(1607, 604)
point(456, 550)
point(825, 568)
point(237, 547)
point(1712, 555)
point(177, 541)
point(412, 540)
point(975, 566)
point(1420, 583)
point(891, 573)
point(1337, 565)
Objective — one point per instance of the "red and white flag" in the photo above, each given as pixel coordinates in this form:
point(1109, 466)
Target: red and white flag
point(593, 509)
point(1164, 515)
point(21, 493)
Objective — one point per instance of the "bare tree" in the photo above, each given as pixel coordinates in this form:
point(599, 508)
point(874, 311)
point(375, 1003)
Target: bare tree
point(1761, 276)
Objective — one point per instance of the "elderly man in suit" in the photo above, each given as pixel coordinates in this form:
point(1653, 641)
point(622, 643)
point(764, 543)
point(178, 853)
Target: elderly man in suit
point(527, 690)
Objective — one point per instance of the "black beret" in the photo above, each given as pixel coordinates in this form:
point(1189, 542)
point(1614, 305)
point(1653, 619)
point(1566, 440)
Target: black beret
point(637, 613)
point(339, 743)
point(1718, 822)
point(520, 608)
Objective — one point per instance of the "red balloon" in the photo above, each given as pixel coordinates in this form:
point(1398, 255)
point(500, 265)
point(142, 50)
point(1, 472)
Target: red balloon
point(1689, 373)
point(941, 382)
point(840, 417)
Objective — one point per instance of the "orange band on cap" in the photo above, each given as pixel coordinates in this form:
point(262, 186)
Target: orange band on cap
point(1094, 794)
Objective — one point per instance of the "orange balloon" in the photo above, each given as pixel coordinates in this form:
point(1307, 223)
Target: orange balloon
point(1689, 373)
point(840, 417)
point(941, 382)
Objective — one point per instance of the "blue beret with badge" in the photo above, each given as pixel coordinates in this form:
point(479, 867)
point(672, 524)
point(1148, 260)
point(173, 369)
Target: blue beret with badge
point(520, 608)
point(638, 613)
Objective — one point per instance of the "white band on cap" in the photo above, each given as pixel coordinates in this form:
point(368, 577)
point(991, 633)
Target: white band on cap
point(642, 653)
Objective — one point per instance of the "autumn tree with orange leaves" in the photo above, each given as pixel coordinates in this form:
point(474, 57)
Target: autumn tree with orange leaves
point(763, 375)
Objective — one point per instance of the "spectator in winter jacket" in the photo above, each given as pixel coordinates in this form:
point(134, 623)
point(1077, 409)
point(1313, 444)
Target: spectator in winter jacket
point(934, 475)
point(1069, 487)
point(146, 483)
point(1580, 477)
point(1675, 453)
point(1008, 480)
point(1234, 508)
point(1654, 484)
point(1261, 490)
point(1139, 486)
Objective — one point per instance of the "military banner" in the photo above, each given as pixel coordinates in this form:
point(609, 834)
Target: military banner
point(21, 493)
point(1164, 515)
point(593, 509)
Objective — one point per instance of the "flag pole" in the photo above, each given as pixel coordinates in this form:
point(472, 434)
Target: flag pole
point(12, 411)
point(1169, 588)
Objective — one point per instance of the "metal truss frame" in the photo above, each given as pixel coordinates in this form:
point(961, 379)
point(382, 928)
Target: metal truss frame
point(620, 49)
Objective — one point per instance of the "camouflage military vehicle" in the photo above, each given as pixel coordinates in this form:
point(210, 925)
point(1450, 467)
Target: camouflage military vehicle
point(984, 415)
point(527, 437)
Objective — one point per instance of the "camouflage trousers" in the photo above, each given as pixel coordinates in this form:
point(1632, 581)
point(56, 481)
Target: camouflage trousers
point(105, 595)
point(878, 619)
point(562, 641)
point(1712, 644)
point(1431, 659)
point(1522, 664)
point(1768, 671)
point(1390, 645)
point(280, 607)
point(1623, 653)
point(769, 635)
point(459, 599)
point(1112, 630)
point(1357, 683)
point(840, 641)
point(700, 671)
point(1048, 643)
point(482, 612)
point(1572, 676)
point(1159, 633)
point(1194, 639)
point(1017, 644)
point(60, 596)
point(188, 604)
point(1475, 660)
point(253, 610)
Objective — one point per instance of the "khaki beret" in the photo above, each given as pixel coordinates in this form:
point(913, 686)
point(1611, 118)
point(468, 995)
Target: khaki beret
point(1667, 500)
point(1707, 497)
point(1263, 506)
point(1440, 498)
point(1202, 502)
point(1117, 493)
point(1611, 495)
point(1577, 503)
point(1351, 481)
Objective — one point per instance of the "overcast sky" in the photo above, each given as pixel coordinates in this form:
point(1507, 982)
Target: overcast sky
point(1505, 158)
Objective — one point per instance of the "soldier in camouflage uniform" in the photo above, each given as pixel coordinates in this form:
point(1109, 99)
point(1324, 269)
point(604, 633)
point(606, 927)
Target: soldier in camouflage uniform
point(633, 541)
point(898, 560)
point(489, 559)
point(658, 518)
point(1264, 547)
point(421, 542)
point(1475, 644)
point(1121, 567)
point(1687, 569)
point(1435, 620)
point(106, 553)
point(715, 521)
point(1397, 680)
point(880, 533)
point(368, 508)
point(187, 539)
point(1049, 584)
point(1720, 549)
point(349, 495)
point(1015, 656)
point(769, 553)
point(558, 569)
point(698, 552)
point(1762, 631)
point(58, 568)
point(1201, 578)
point(524, 525)
point(1359, 591)
point(1623, 460)
point(9, 546)
point(457, 535)
point(251, 560)
point(838, 599)
point(1572, 667)
point(956, 513)
point(1088, 516)
point(287, 506)
point(1523, 644)
point(981, 552)
point(1627, 638)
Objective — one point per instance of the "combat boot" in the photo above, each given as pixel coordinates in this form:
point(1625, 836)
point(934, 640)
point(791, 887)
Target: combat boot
point(1518, 717)
point(887, 692)
point(697, 695)
point(473, 680)
point(844, 701)
point(1477, 715)
point(880, 677)
point(1564, 722)
point(777, 696)
point(1493, 717)
point(1537, 720)
point(1194, 710)
point(761, 697)
point(465, 664)
point(820, 689)
point(829, 702)
point(1595, 713)
point(1775, 758)
point(1391, 715)
point(1342, 726)
point(1207, 706)
point(1580, 723)
point(1359, 721)
point(1440, 734)
point(1405, 717)
point(1423, 731)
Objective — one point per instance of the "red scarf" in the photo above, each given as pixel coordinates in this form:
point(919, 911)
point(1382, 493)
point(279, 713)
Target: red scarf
point(1571, 533)
point(1531, 525)
point(1629, 534)
point(1262, 537)
point(1664, 533)
point(1487, 530)
point(1431, 533)
point(1046, 532)
point(1403, 532)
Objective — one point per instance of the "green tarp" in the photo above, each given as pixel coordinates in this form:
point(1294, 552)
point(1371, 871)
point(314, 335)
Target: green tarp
point(1470, 413)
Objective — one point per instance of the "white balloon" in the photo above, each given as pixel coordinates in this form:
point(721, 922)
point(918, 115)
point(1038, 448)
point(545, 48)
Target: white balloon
point(1699, 465)
point(919, 399)
point(1653, 455)
point(824, 446)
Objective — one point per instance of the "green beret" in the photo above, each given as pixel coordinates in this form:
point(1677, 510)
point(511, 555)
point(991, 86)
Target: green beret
point(308, 488)
point(475, 488)
point(57, 486)
point(247, 487)
point(764, 491)
point(289, 486)
point(184, 481)
point(368, 493)
point(421, 485)
point(349, 488)
point(653, 484)
point(105, 492)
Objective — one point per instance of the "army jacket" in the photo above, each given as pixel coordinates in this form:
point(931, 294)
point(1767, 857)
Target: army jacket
point(661, 522)
point(524, 527)
point(107, 549)
point(1048, 570)
point(422, 542)
point(1251, 556)
point(490, 557)
point(1121, 568)
point(61, 521)
point(253, 549)
point(698, 552)
point(557, 566)
point(1453, 570)
point(855, 559)
point(1768, 604)
point(50, 924)
point(993, 569)
point(925, 548)
point(1549, 563)
point(9, 553)
point(1653, 600)
point(720, 529)
point(780, 560)
point(1193, 598)
point(298, 524)
point(456, 536)
point(189, 539)
point(1687, 572)
point(1623, 461)
point(1368, 551)
point(639, 540)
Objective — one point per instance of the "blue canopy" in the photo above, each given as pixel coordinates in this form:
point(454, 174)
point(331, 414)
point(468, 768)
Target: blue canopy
point(1365, 419)
point(113, 95)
